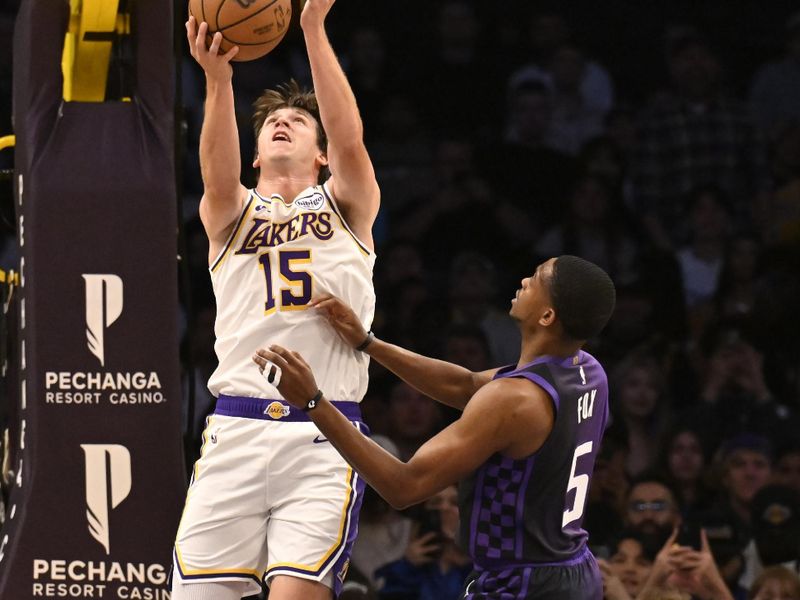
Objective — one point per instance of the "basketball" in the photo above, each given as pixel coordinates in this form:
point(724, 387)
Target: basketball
point(256, 26)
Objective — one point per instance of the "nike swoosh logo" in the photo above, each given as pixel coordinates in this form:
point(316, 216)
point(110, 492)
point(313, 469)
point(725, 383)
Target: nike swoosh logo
point(320, 440)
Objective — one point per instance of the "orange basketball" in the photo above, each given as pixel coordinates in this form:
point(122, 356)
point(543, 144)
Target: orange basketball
point(256, 26)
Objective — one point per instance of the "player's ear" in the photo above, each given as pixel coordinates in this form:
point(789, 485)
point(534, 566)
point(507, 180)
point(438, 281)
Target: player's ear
point(256, 162)
point(322, 159)
point(548, 317)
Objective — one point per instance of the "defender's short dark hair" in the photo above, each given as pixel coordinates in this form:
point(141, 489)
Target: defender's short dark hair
point(583, 296)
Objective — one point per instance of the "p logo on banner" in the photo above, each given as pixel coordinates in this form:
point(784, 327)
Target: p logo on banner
point(103, 307)
point(108, 483)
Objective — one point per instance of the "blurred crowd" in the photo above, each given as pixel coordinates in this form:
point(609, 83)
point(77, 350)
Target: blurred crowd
point(502, 138)
point(663, 144)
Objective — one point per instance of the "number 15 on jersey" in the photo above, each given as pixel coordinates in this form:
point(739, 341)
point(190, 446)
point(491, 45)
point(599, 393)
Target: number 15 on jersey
point(296, 293)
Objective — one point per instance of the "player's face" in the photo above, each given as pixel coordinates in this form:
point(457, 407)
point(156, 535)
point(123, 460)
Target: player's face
point(289, 134)
point(533, 296)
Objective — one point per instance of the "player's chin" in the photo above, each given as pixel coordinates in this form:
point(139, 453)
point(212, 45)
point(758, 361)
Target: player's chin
point(512, 311)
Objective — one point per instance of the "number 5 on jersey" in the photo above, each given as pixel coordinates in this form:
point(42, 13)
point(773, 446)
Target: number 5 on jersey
point(297, 294)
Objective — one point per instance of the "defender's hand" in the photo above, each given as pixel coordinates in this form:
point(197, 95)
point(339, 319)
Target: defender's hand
point(297, 384)
point(216, 66)
point(314, 12)
point(342, 319)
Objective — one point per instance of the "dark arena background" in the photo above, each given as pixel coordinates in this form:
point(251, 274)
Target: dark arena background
point(659, 140)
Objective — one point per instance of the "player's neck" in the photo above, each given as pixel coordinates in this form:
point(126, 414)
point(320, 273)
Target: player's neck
point(288, 185)
point(535, 345)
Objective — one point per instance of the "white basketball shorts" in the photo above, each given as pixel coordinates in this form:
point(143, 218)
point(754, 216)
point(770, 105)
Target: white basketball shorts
point(269, 496)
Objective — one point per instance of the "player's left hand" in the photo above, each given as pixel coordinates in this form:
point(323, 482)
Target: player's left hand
point(297, 384)
point(314, 12)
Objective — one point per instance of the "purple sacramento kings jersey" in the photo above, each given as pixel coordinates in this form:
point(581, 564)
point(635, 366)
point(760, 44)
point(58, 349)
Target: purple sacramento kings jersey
point(530, 511)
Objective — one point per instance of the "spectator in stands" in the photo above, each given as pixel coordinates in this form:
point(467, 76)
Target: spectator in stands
point(523, 166)
point(740, 285)
point(467, 346)
point(680, 569)
point(433, 567)
point(548, 32)
point(459, 66)
point(695, 136)
point(775, 92)
point(651, 511)
point(745, 467)
point(602, 157)
point(787, 466)
point(593, 229)
point(627, 569)
point(776, 583)
point(473, 291)
point(775, 518)
point(684, 463)
point(780, 215)
point(369, 74)
point(734, 390)
point(574, 118)
point(701, 259)
point(640, 403)
point(413, 419)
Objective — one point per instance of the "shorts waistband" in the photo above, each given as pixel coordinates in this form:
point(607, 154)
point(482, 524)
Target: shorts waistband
point(275, 410)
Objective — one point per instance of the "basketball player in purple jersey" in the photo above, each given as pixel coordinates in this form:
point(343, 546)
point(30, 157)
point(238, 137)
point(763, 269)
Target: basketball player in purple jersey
point(523, 449)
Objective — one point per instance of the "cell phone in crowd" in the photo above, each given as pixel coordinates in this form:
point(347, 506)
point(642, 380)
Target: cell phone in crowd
point(430, 521)
point(689, 534)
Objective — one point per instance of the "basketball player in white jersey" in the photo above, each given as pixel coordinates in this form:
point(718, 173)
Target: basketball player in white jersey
point(270, 499)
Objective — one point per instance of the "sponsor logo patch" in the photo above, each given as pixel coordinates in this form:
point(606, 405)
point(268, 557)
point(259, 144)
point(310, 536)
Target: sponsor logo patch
point(312, 202)
point(276, 410)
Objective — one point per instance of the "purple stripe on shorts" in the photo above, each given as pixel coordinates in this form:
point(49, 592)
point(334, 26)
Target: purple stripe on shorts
point(340, 555)
point(275, 410)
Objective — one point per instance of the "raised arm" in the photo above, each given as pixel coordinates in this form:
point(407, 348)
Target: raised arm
point(353, 181)
point(445, 382)
point(220, 163)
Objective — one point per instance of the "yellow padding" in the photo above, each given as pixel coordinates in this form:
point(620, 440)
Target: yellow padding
point(7, 141)
point(87, 48)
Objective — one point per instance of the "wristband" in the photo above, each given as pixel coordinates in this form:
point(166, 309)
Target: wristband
point(312, 404)
point(367, 341)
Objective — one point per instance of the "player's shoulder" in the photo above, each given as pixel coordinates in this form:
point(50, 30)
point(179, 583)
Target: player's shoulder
point(509, 394)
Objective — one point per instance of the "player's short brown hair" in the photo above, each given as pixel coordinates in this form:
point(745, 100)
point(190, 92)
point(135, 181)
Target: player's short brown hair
point(288, 95)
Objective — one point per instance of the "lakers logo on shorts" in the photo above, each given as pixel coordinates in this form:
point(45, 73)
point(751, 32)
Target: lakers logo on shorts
point(276, 410)
point(343, 571)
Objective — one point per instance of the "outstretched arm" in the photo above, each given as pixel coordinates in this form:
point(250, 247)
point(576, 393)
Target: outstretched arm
point(220, 163)
point(353, 178)
point(443, 381)
point(512, 416)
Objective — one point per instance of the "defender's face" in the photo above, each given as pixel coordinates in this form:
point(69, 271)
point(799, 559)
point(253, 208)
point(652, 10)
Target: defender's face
point(533, 297)
point(288, 134)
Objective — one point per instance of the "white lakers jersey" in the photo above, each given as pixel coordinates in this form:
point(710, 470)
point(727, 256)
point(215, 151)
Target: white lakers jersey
point(280, 254)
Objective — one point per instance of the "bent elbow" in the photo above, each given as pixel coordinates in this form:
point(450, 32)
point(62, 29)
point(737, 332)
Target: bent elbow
point(403, 495)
